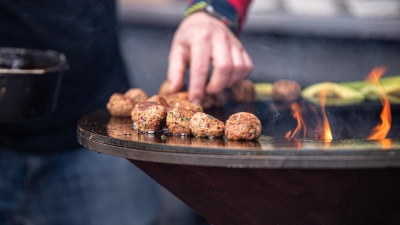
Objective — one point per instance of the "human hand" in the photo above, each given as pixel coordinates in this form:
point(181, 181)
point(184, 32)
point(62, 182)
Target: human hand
point(200, 39)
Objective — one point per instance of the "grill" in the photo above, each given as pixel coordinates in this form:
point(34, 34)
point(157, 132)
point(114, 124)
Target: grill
point(274, 180)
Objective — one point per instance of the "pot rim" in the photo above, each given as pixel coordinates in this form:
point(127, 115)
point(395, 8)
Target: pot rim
point(62, 65)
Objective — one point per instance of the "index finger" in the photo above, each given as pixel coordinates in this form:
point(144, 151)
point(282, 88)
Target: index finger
point(199, 67)
point(176, 67)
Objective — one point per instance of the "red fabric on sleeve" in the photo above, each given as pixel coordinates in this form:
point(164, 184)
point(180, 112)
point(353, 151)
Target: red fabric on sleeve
point(241, 8)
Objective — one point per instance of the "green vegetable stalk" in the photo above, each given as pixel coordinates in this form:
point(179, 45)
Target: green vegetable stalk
point(336, 94)
point(263, 91)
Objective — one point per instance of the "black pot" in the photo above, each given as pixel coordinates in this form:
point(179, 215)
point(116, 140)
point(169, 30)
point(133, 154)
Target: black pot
point(30, 81)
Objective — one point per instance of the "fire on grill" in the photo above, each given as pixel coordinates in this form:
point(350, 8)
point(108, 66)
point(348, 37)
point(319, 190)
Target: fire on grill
point(313, 109)
point(327, 92)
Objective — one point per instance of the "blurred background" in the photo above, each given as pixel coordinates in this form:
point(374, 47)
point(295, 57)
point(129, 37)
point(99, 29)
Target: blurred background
point(304, 40)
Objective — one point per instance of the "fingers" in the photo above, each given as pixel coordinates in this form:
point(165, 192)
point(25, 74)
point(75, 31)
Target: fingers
point(248, 63)
point(222, 65)
point(199, 66)
point(239, 67)
point(176, 67)
point(229, 67)
point(199, 40)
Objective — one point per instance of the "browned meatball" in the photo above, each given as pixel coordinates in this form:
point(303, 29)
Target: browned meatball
point(204, 125)
point(243, 92)
point(139, 108)
point(136, 94)
point(172, 99)
point(208, 101)
point(151, 119)
point(159, 99)
point(183, 95)
point(195, 107)
point(214, 100)
point(220, 99)
point(119, 105)
point(243, 126)
point(164, 88)
point(286, 91)
point(178, 121)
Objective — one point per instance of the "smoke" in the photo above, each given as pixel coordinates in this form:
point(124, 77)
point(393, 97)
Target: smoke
point(310, 60)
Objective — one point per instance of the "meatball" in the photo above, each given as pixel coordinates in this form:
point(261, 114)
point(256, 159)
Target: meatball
point(139, 108)
point(183, 95)
point(159, 99)
point(220, 99)
point(286, 91)
point(243, 92)
point(136, 94)
point(214, 100)
point(208, 101)
point(195, 107)
point(243, 126)
point(172, 99)
point(164, 88)
point(119, 105)
point(152, 119)
point(204, 125)
point(178, 121)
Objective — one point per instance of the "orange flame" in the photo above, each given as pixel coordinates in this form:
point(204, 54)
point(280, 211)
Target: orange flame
point(327, 134)
point(287, 135)
point(386, 143)
point(382, 129)
point(298, 143)
point(319, 126)
point(300, 122)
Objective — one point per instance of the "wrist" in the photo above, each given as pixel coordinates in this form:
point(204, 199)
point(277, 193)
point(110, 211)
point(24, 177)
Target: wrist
point(220, 10)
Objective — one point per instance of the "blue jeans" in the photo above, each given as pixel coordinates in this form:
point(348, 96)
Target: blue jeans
point(77, 187)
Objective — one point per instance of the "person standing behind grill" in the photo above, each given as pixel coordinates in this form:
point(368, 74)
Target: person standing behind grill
point(45, 176)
